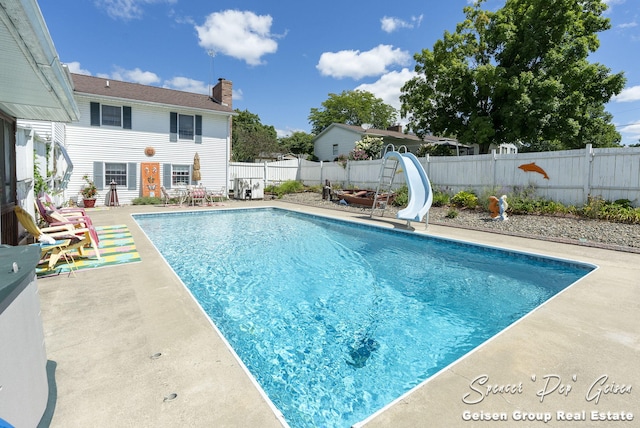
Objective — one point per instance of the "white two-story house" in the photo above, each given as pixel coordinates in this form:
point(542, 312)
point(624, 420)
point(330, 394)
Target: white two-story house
point(143, 137)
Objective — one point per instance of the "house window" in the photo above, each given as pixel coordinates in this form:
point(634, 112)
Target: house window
point(111, 115)
point(335, 150)
point(185, 126)
point(180, 175)
point(115, 172)
point(106, 115)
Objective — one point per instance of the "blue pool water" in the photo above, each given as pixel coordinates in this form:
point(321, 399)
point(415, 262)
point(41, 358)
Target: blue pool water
point(336, 319)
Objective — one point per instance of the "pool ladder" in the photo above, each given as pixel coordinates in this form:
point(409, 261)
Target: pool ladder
point(388, 172)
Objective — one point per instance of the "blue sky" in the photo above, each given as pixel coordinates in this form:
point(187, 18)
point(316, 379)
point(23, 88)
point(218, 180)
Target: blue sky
point(285, 57)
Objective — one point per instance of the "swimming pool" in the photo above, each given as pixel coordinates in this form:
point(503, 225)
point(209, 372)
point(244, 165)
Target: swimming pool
point(336, 319)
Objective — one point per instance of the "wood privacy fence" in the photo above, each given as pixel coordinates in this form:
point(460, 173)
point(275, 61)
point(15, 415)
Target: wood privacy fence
point(573, 175)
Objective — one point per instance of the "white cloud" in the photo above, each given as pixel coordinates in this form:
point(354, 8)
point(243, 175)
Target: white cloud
point(136, 76)
point(242, 35)
point(187, 85)
point(237, 94)
point(356, 64)
point(630, 133)
point(628, 25)
point(282, 133)
point(628, 95)
point(391, 24)
point(74, 67)
point(388, 86)
point(126, 9)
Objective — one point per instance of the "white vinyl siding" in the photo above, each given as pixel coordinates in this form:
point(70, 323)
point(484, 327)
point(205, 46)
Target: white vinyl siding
point(335, 142)
point(109, 145)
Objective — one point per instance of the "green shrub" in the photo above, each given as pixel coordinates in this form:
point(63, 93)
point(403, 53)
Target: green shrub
point(402, 196)
point(619, 211)
point(464, 199)
point(315, 189)
point(452, 213)
point(440, 199)
point(147, 200)
point(289, 186)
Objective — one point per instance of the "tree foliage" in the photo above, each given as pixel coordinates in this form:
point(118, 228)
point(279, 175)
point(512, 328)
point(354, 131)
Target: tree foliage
point(517, 75)
point(297, 143)
point(352, 108)
point(250, 138)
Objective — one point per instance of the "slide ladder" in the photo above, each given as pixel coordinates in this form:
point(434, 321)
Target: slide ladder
point(420, 193)
point(388, 171)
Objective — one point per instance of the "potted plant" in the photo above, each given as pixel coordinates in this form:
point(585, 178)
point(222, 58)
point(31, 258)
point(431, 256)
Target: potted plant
point(89, 193)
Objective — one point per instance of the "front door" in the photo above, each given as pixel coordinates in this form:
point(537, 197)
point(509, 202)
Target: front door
point(150, 179)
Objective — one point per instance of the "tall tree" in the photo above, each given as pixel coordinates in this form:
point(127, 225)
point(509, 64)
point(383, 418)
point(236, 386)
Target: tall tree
point(352, 108)
point(517, 75)
point(297, 143)
point(250, 138)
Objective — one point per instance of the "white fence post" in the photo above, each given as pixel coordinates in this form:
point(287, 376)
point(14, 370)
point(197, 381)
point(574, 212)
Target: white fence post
point(495, 169)
point(588, 172)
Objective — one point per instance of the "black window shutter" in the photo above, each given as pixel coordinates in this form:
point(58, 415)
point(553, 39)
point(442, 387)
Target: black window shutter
point(173, 126)
point(95, 114)
point(98, 175)
point(166, 175)
point(126, 117)
point(198, 129)
point(132, 173)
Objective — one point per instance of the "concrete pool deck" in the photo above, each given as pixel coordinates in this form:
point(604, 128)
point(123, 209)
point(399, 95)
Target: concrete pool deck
point(103, 328)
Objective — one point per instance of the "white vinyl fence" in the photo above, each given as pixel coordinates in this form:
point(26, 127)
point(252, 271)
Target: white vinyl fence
point(574, 175)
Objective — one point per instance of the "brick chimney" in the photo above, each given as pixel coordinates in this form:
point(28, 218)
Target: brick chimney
point(396, 128)
point(222, 93)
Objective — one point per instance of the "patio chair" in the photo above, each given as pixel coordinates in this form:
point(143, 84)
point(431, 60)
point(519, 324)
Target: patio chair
point(166, 198)
point(50, 205)
point(197, 195)
point(216, 195)
point(66, 238)
point(53, 217)
point(180, 193)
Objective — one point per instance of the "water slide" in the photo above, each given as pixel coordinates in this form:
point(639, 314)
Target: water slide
point(420, 194)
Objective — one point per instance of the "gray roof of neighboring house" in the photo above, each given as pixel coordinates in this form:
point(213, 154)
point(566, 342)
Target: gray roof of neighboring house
point(136, 92)
point(386, 133)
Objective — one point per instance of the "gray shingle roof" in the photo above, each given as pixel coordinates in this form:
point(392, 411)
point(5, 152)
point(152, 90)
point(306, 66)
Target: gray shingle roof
point(389, 133)
point(136, 92)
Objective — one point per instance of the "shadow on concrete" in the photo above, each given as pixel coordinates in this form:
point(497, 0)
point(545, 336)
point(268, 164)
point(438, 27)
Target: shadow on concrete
point(47, 416)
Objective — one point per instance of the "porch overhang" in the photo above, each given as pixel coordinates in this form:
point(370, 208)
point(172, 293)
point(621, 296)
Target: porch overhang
point(34, 85)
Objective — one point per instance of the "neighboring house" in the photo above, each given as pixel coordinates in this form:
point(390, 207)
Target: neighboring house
point(453, 146)
point(339, 139)
point(34, 85)
point(274, 157)
point(501, 149)
point(142, 137)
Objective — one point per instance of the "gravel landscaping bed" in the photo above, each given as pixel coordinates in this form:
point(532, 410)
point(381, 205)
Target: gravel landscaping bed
point(593, 233)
